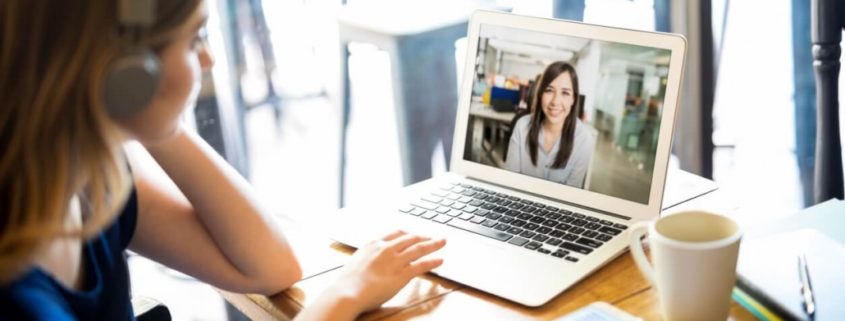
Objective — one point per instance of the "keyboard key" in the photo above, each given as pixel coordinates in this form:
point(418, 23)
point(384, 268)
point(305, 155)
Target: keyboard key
point(506, 219)
point(500, 209)
point(531, 226)
point(572, 259)
point(553, 216)
point(609, 230)
point(560, 253)
point(526, 202)
point(577, 230)
point(593, 226)
point(481, 213)
point(465, 199)
point(529, 209)
point(540, 238)
point(494, 216)
point(454, 197)
point(406, 209)
point(514, 198)
point(426, 205)
point(517, 206)
point(564, 212)
point(606, 222)
point(441, 218)
point(518, 241)
point(443, 210)
point(576, 248)
point(556, 233)
point(480, 230)
point(418, 212)
point(447, 202)
point(604, 237)
point(501, 195)
point(470, 209)
point(538, 205)
point(505, 202)
point(527, 234)
point(533, 245)
point(519, 223)
point(578, 215)
point(553, 241)
point(502, 227)
point(468, 216)
point(590, 234)
point(566, 219)
point(454, 213)
point(589, 242)
point(592, 219)
point(488, 206)
point(538, 219)
point(514, 230)
point(525, 216)
point(458, 189)
point(428, 215)
point(440, 193)
point(489, 223)
point(552, 208)
point(465, 185)
point(544, 251)
point(469, 193)
point(550, 223)
point(570, 237)
point(563, 227)
point(544, 230)
point(458, 206)
point(477, 219)
point(493, 198)
point(579, 222)
point(514, 213)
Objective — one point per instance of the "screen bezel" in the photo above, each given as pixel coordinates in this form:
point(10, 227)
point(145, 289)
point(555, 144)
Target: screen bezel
point(673, 42)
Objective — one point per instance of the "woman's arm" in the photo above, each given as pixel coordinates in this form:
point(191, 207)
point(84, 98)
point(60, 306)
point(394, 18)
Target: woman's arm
point(211, 227)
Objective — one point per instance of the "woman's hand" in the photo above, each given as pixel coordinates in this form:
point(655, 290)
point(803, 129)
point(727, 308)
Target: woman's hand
point(381, 268)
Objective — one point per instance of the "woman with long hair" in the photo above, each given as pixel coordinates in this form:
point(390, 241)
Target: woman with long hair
point(552, 143)
point(78, 81)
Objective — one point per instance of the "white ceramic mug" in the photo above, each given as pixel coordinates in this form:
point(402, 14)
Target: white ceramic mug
point(694, 257)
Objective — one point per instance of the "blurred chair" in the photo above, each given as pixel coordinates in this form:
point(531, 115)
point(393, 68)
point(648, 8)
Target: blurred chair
point(419, 38)
point(827, 23)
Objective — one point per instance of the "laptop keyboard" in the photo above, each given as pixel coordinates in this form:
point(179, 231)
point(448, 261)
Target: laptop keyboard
point(530, 225)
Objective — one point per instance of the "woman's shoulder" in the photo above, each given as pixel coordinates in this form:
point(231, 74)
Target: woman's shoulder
point(32, 297)
point(522, 123)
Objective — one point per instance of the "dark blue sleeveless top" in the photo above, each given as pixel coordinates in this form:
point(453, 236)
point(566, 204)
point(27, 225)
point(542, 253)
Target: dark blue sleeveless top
point(105, 295)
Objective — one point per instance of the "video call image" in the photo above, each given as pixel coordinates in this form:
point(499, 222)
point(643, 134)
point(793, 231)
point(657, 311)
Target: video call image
point(576, 111)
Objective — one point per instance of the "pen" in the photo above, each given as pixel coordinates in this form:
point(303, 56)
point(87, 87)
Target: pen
point(806, 288)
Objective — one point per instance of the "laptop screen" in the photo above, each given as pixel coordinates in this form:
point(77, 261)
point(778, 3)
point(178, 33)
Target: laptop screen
point(580, 112)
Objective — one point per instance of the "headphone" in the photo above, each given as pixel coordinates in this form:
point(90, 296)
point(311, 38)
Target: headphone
point(133, 77)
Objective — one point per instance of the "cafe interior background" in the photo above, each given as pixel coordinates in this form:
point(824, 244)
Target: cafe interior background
point(277, 82)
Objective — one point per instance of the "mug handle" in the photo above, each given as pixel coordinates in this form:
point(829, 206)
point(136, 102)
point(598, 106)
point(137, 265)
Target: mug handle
point(637, 232)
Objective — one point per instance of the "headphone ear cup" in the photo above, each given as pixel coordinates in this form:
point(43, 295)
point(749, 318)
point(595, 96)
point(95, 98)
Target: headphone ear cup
point(131, 82)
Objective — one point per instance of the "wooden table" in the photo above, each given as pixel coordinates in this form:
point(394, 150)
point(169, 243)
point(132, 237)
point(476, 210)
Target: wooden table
point(432, 298)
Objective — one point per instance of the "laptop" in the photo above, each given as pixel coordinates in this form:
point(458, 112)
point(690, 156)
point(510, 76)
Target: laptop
point(527, 232)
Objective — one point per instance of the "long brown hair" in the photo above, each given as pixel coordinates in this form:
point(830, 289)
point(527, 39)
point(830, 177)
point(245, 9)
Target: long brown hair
point(57, 140)
point(537, 116)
